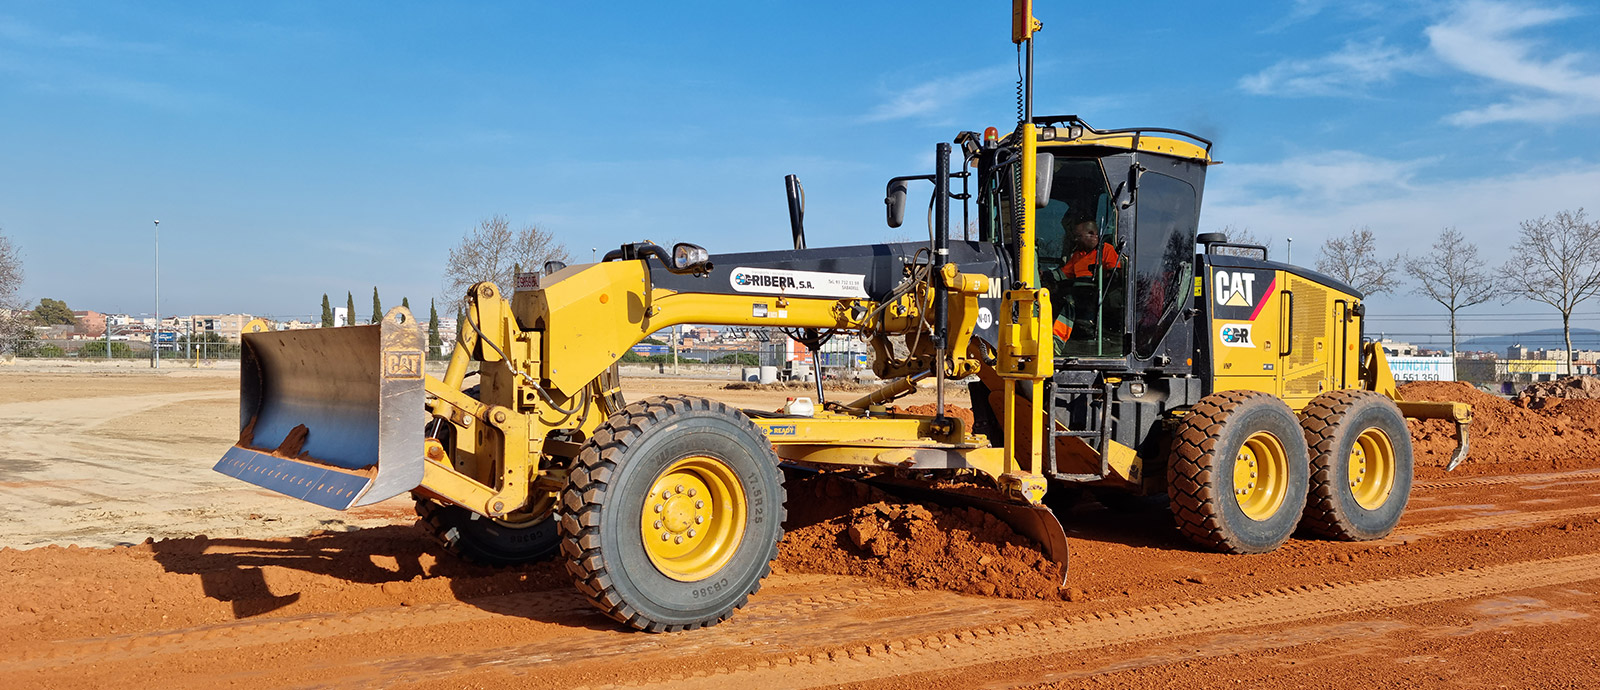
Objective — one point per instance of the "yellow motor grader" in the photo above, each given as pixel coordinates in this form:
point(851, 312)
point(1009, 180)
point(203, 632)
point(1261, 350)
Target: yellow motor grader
point(1106, 345)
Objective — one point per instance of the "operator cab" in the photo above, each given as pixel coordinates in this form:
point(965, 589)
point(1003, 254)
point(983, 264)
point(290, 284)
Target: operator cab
point(1114, 241)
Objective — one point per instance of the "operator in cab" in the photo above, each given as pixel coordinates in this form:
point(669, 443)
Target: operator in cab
point(1076, 275)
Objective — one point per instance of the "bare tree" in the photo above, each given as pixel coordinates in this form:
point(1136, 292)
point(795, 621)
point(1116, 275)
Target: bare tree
point(12, 325)
point(1354, 259)
point(1557, 262)
point(1452, 275)
point(491, 250)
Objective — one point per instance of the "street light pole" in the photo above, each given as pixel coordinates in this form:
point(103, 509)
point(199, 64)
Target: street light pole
point(155, 335)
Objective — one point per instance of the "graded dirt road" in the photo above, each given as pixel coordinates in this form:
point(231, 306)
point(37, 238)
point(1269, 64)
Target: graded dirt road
point(1493, 580)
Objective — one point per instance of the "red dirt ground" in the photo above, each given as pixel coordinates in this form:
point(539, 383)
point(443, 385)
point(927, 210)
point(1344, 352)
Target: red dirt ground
point(1491, 580)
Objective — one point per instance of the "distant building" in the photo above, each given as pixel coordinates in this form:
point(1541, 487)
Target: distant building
point(91, 323)
point(1397, 349)
point(229, 326)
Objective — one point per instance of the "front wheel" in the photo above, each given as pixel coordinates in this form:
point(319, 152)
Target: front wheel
point(1237, 473)
point(525, 536)
point(672, 514)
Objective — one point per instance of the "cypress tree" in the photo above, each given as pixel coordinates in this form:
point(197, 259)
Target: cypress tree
point(327, 312)
point(349, 309)
point(435, 343)
point(377, 307)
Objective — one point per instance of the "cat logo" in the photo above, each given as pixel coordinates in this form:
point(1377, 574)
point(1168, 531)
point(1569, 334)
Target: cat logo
point(1235, 289)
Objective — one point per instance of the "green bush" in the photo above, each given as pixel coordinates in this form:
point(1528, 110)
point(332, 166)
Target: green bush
point(97, 348)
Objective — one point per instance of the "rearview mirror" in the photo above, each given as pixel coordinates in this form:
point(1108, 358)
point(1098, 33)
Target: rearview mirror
point(1044, 176)
point(895, 199)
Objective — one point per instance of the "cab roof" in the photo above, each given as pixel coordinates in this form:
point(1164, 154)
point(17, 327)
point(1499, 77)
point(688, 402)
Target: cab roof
point(1069, 130)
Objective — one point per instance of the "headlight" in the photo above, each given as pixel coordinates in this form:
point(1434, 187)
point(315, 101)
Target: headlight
point(689, 257)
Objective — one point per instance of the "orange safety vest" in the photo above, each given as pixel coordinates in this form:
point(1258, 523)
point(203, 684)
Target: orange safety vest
point(1081, 264)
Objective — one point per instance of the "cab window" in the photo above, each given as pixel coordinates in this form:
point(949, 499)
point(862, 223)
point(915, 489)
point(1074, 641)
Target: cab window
point(1079, 261)
point(1164, 256)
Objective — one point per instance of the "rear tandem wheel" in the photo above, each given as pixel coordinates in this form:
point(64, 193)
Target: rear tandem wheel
point(1361, 465)
point(1237, 473)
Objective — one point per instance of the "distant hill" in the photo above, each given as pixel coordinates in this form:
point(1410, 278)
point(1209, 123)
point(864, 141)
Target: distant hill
point(1546, 338)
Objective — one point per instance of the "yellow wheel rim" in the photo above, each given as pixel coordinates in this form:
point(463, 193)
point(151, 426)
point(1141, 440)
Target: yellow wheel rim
point(1261, 476)
point(1372, 469)
point(693, 518)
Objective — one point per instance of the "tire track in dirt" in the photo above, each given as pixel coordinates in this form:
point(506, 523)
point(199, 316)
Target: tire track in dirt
point(885, 658)
point(247, 633)
point(1508, 479)
point(1508, 520)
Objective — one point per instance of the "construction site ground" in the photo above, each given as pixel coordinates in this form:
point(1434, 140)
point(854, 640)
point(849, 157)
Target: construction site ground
point(128, 562)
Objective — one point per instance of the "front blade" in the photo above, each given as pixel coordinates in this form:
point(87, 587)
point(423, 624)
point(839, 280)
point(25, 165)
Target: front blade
point(333, 416)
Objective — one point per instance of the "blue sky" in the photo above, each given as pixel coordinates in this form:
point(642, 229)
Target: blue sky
point(292, 149)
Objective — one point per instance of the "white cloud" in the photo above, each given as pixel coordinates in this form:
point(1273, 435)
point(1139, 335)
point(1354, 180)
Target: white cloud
point(938, 97)
point(1314, 203)
point(1353, 68)
point(1333, 177)
point(1481, 39)
point(1313, 197)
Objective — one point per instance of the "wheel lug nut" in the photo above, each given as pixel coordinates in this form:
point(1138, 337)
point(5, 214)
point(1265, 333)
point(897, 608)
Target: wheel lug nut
point(664, 536)
point(691, 492)
point(691, 532)
point(657, 524)
point(679, 488)
point(677, 540)
point(699, 519)
point(666, 494)
point(660, 507)
point(699, 504)
point(1252, 475)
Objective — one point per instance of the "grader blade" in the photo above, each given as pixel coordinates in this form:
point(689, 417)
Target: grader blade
point(333, 416)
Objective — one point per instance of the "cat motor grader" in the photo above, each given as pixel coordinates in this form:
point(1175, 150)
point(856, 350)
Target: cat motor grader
point(1103, 349)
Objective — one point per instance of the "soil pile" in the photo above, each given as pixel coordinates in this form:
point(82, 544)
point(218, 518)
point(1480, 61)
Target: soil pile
point(1539, 395)
point(846, 528)
point(1553, 436)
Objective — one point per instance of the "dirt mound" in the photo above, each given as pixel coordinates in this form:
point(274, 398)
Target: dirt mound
point(844, 528)
point(1551, 436)
point(1539, 395)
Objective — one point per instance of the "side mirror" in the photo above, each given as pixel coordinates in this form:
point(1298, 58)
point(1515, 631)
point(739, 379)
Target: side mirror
point(895, 199)
point(689, 258)
point(553, 266)
point(1044, 176)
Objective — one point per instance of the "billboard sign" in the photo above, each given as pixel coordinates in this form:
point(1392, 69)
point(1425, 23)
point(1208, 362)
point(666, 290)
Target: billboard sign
point(1423, 368)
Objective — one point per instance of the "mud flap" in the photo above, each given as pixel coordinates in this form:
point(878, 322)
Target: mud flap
point(333, 416)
